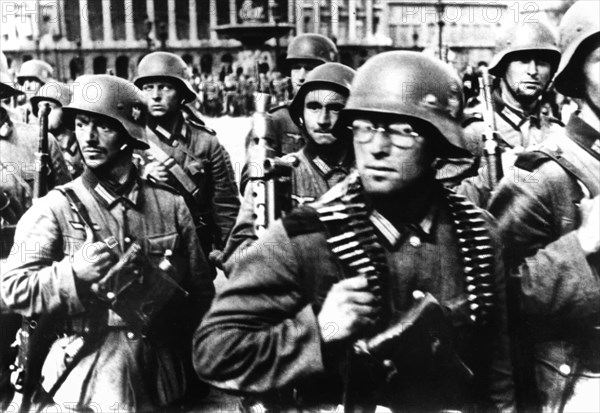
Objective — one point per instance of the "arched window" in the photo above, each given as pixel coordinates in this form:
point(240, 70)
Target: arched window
point(122, 67)
point(99, 65)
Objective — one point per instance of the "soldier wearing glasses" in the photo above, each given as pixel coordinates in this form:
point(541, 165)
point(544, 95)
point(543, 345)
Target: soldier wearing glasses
point(338, 271)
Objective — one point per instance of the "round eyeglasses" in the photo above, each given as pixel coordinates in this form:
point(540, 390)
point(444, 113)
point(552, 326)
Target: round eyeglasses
point(400, 135)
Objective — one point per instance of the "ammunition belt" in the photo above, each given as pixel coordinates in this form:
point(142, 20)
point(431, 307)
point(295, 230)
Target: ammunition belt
point(477, 254)
point(352, 238)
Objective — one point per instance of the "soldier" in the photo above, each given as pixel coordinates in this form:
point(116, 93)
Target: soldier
point(304, 53)
point(18, 144)
point(324, 161)
point(548, 213)
point(339, 270)
point(32, 75)
point(57, 95)
point(13, 193)
point(120, 278)
point(527, 58)
point(185, 153)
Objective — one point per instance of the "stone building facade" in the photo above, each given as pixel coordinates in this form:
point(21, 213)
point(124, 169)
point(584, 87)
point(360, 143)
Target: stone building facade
point(99, 36)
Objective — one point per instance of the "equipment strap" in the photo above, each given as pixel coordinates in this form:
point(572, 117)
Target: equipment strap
point(175, 169)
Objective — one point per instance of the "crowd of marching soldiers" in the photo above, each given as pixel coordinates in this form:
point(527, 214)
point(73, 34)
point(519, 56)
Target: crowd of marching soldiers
point(387, 249)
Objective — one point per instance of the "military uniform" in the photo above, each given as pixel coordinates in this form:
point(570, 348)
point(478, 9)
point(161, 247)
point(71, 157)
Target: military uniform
point(261, 335)
point(99, 359)
point(17, 157)
point(197, 150)
point(517, 131)
point(311, 178)
point(556, 285)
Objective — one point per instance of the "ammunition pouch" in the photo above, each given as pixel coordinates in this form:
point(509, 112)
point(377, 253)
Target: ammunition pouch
point(137, 289)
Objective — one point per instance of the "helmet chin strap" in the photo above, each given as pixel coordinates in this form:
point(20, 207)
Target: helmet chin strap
point(524, 105)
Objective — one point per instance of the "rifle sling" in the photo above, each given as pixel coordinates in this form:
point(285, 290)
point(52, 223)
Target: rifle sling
point(176, 170)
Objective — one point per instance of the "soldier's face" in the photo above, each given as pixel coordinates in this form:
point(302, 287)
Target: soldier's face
point(390, 155)
point(55, 115)
point(591, 74)
point(31, 87)
point(299, 71)
point(100, 139)
point(321, 110)
point(528, 76)
point(163, 98)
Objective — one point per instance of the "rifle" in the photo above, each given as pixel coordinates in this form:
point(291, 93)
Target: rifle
point(270, 178)
point(492, 152)
point(40, 183)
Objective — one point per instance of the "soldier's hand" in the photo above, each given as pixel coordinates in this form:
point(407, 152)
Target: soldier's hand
point(348, 308)
point(93, 260)
point(589, 231)
point(157, 170)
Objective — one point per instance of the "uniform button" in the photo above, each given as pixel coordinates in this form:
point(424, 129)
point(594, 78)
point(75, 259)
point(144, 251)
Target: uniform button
point(130, 335)
point(565, 369)
point(127, 240)
point(415, 241)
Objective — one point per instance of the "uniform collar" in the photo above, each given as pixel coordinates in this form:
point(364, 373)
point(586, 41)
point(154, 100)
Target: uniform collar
point(585, 135)
point(109, 194)
point(178, 133)
point(393, 235)
point(515, 116)
point(325, 169)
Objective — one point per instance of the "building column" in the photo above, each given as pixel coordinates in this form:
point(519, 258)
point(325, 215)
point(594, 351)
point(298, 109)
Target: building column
point(291, 11)
point(129, 30)
point(193, 20)
point(107, 23)
point(335, 18)
point(384, 18)
point(317, 16)
point(213, 19)
point(172, 23)
point(369, 19)
point(299, 16)
point(84, 17)
point(151, 17)
point(232, 12)
point(270, 5)
point(352, 21)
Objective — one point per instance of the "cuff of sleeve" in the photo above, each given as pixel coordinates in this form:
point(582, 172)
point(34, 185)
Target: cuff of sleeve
point(67, 287)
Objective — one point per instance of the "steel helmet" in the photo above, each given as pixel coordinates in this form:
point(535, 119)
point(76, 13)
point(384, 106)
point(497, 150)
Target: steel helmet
point(56, 92)
point(114, 98)
point(526, 37)
point(312, 46)
point(329, 75)
point(579, 24)
point(35, 69)
point(168, 66)
point(7, 84)
point(410, 84)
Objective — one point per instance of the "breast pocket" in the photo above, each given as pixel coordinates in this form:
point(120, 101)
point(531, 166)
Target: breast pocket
point(157, 245)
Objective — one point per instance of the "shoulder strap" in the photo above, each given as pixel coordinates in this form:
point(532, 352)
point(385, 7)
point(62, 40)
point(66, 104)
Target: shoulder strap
point(80, 209)
point(573, 167)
